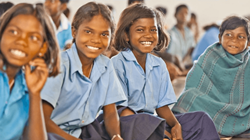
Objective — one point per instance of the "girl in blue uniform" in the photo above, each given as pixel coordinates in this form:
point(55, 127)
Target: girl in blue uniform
point(145, 79)
point(27, 41)
point(87, 83)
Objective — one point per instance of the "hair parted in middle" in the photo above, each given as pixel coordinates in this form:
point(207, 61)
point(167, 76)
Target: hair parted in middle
point(86, 12)
point(129, 16)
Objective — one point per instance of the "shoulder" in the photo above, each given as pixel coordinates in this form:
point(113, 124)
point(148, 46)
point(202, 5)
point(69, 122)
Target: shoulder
point(211, 52)
point(156, 59)
point(65, 61)
point(104, 59)
point(119, 56)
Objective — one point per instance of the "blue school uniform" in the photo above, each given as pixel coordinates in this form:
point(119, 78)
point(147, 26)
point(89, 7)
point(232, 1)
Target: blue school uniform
point(14, 106)
point(77, 99)
point(147, 91)
point(63, 32)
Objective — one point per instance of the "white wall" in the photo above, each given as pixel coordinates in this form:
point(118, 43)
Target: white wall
point(207, 11)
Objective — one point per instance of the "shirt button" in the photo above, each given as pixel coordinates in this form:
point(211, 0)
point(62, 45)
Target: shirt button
point(82, 121)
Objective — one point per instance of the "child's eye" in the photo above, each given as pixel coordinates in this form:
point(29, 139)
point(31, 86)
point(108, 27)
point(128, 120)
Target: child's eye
point(14, 32)
point(228, 34)
point(88, 32)
point(105, 34)
point(139, 30)
point(154, 30)
point(34, 38)
point(241, 37)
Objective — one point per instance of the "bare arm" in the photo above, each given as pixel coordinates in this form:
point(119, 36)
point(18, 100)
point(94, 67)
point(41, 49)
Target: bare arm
point(35, 81)
point(111, 120)
point(52, 126)
point(165, 113)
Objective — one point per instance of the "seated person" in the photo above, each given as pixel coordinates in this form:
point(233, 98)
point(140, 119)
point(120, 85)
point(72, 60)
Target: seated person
point(55, 9)
point(218, 83)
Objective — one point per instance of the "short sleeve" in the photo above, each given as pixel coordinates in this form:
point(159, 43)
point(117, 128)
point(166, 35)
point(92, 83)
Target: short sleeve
point(52, 89)
point(167, 95)
point(115, 94)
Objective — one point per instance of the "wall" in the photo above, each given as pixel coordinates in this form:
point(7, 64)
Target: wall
point(207, 11)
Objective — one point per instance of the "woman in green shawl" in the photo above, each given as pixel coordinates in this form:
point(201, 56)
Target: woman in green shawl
point(219, 82)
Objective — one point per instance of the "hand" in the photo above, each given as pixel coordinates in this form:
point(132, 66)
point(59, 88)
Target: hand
point(176, 132)
point(36, 79)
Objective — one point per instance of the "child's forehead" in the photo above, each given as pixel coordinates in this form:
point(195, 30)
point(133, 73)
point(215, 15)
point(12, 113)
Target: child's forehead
point(27, 22)
point(239, 28)
point(145, 21)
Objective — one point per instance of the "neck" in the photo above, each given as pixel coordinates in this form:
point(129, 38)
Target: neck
point(87, 64)
point(56, 20)
point(180, 26)
point(141, 59)
point(11, 71)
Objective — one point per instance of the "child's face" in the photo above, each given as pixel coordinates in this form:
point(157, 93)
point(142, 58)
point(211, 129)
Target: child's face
point(143, 35)
point(53, 7)
point(93, 37)
point(182, 15)
point(234, 41)
point(22, 40)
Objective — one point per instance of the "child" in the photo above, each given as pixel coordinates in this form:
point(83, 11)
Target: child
point(182, 39)
point(144, 77)
point(55, 9)
point(27, 40)
point(87, 82)
point(218, 82)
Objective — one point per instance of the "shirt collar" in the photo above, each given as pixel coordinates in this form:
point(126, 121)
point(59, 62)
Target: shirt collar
point(76, 65)
point(20, 80)
point(150, 60)
point(20, 77)
point(74, 60)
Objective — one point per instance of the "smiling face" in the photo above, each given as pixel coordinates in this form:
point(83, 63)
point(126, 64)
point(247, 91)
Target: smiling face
point(92, 37)
point(234, 41)
point(22, 40)
point(143, 35)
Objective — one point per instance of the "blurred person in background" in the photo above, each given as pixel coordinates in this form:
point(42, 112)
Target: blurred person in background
point(55, 9)
point(193, 26)
point(210, 36)
point(182, 39)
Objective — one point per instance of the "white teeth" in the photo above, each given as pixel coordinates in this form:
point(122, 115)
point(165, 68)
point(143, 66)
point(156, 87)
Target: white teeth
point(233, 46)
point(18, 53)
point(146, 43)
point(92, 48)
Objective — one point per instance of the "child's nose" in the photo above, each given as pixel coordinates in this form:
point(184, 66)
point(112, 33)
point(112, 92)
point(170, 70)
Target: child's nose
point(96, 39)
point(148, 35)
point(22, 40)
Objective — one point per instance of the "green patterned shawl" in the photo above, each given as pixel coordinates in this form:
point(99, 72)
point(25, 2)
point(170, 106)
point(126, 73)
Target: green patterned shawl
point(219, 84)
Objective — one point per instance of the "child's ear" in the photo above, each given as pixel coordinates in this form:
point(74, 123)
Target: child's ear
point(43, 50)
point(126, 37)
point(73, 32)
point(219, 36)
